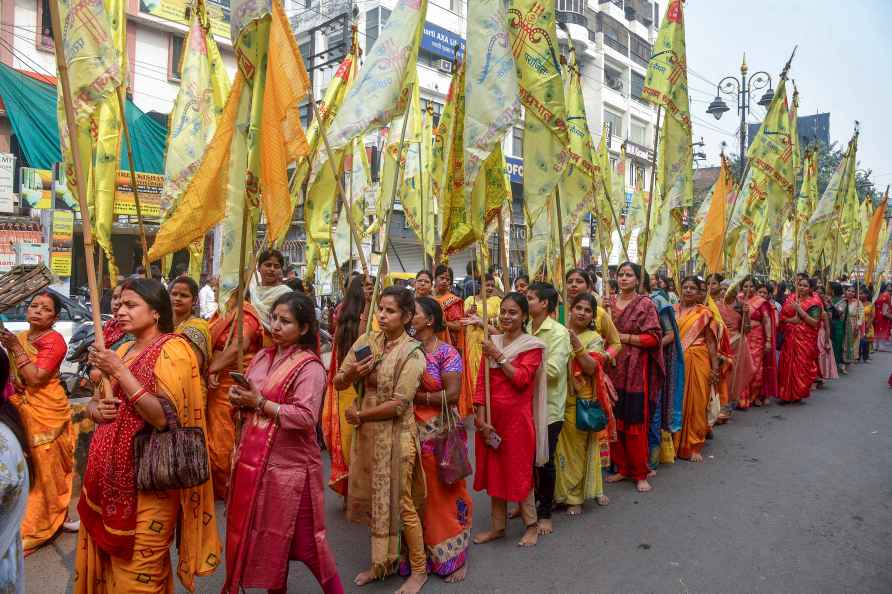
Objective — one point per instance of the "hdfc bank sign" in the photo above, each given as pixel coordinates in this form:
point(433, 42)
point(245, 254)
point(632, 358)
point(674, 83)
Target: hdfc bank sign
point(514, 167)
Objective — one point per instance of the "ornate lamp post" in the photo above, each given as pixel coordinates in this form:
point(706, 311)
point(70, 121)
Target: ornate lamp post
point(743, 89)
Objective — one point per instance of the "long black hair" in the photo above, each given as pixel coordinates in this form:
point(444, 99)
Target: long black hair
point(9, 416)
point(347, 329)
point(431, 308)
point(156, 297)
point(303, 310)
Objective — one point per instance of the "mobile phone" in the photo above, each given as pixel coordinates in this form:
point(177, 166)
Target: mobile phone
point(363, 353)
point(494, 440)
point(240, 379)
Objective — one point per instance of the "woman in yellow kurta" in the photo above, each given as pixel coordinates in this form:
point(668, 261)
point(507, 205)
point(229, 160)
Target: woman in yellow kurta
point(699, 330)
point(36, 355)
point(473, 351)
point(578, 454)
point(125, 536)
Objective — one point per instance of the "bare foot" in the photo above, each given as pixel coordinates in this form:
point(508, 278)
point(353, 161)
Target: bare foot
point(615, 478)
point(514, 513)
point(530, 537)
point(652, 473)
point(697, 457)
point(643, 486)
point(366, 577)
point(458, 575)
point(545, 526)
point(603, 500)
point(574, 510)
point(413, 584)
point(485, 537)
point(758, 403)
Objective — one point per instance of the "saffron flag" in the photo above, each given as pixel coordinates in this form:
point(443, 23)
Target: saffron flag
point(93, 34)
point(204, 87)
point(382, 90)
point(713, 230)
point(666, 85)
point(257, 137)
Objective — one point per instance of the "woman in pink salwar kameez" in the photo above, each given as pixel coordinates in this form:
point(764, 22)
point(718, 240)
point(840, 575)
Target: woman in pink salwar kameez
point(275, 505)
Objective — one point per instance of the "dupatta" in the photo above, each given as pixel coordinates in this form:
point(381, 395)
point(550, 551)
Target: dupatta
point(521, 344)
point(252, 454)
point(602, 387)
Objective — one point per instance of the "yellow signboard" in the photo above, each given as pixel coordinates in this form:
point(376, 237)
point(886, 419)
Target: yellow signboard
point(148, 185)
point(62, 239)
point(178, 11)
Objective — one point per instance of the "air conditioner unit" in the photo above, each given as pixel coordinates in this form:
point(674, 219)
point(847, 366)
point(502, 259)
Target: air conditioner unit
point(444, 66)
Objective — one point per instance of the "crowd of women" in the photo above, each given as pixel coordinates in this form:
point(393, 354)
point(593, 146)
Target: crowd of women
point(565, 394)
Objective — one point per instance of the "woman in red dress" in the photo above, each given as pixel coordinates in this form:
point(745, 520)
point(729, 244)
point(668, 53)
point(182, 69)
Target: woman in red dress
point(800, 317)
point(515, 433)
point(882, 317)
point(759, 334)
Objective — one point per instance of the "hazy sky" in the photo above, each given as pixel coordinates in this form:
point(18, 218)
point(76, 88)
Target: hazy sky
point(842, 66)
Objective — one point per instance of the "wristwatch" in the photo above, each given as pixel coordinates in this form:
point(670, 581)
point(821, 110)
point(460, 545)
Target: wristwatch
point(502, 361)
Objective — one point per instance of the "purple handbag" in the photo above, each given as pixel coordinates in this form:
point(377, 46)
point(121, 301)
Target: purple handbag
point(451, 450)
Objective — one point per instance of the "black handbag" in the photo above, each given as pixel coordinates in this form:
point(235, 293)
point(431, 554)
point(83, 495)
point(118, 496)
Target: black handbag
point(175, 458)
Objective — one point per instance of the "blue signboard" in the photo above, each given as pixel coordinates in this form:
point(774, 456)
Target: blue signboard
point(440, 41)
point(514, 165)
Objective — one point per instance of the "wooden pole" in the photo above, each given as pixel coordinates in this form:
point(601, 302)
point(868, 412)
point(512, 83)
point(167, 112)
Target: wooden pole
point(616, 219)
point(242, 284)
point(650, 199)
point(481, 265)
point(139, 219)
point(504, 256)
point(339, 183)
point(421, 204)
point(396, 184)
point(89, 257)
point(561, 265)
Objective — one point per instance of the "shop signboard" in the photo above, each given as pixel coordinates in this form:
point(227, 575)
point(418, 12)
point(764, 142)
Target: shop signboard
point(179, 11)
point(36, 187)
point(61, 242)
point(7, 176)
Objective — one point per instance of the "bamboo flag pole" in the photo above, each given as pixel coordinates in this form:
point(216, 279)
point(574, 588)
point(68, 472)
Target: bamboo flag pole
point(650, 199)
point(242, 283)
point(504, 255)
point(386, 223)
point(615, 219)
point(338, 182)
point(561, 253)
point(142, 229)
point(89, 252)
point(481, 265)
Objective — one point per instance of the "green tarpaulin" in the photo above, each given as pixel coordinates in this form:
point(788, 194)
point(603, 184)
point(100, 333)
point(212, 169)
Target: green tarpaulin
point(31, 107)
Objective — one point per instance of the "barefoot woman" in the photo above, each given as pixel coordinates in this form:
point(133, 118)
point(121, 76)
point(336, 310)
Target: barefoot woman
point(386, 484)
point(517, 433)
point(639, 367)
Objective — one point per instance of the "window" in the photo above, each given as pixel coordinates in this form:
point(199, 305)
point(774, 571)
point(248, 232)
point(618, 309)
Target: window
point(374, 22)
point(517, 142)
point(44, 37)
point(637, 85)
point(571, 11)
point(639, 50)
point(615, 122)
point(175, 58)
point(615, 34)
point(614, 78)
point(638, 132)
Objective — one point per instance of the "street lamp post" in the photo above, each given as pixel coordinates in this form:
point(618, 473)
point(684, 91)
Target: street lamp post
point(743, 90)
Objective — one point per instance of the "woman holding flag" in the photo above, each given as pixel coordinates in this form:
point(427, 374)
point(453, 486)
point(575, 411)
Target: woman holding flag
point(800, 316)
point(759, 333)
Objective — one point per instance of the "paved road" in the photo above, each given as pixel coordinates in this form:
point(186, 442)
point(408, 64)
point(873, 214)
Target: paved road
point(790, 499)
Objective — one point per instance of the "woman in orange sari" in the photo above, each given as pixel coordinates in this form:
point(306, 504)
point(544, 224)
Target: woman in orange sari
point(446, 517)
point(759, 338)
point(37, 354)
point(275, 511)
point(125, 535)
point(336, 431)
point(699, 330)
point(800, 316)
point(220, 421)
point(453, 309)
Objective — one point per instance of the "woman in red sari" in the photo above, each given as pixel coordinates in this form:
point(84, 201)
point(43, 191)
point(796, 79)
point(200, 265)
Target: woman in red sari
point(515, 433)
point(882, 319)
point(699, 334)
point(275, 511)
point(759, 338)
point(800, 316)
point(769, 366)
point(741, 372)
point(638, 371)
point(221, 426)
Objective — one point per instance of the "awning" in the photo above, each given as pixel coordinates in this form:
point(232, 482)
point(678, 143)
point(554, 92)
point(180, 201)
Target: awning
point(30, 103)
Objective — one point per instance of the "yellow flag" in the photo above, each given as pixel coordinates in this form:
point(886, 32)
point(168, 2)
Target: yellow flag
point(93, 36)
point(666, 85)
point(710, 247)
point(819, 230)
point(193, 120)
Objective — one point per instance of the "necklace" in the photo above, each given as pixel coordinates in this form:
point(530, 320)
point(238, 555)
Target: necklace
point(34, 338)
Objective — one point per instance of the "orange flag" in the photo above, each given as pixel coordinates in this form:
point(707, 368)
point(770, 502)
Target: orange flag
point(711, 247)
point(282, 139)
point(871, 239)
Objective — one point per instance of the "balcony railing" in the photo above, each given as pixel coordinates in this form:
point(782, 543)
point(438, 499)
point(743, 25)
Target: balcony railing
point(617, 45)
point(571, 18)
